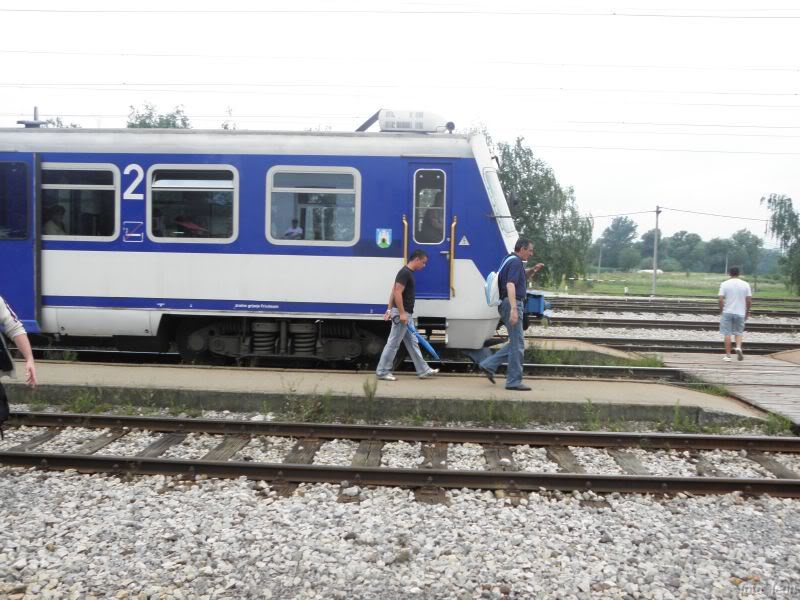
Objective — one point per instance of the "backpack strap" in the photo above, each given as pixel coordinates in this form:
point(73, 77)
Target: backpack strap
point(505, 262)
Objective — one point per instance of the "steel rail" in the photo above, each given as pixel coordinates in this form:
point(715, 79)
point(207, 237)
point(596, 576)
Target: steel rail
point(663, 308)
point(662, 324)
point(329, 431)
point(667, 345)
point(424, 478)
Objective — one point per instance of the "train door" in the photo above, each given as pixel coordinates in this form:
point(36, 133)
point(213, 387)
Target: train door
point(429, 227)
point(19, 243)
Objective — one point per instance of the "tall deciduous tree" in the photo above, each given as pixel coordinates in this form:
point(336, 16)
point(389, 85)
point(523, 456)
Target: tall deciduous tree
point(544, 211)
point(148, 117)
point(784, 225)
point(616, 237)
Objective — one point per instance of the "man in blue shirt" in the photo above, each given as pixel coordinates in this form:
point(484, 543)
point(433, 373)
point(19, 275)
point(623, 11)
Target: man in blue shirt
point(512, 283)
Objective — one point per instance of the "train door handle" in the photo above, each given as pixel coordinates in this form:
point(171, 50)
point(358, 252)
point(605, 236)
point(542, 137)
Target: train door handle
point(445, 253)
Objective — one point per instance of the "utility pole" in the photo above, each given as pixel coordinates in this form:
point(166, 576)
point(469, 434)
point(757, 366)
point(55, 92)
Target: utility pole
point(655, 252)
point(599, 262)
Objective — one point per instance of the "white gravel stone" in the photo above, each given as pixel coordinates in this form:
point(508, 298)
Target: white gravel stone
point(673, 463)
point(66, 535)
point(69, 439)
point(336, 452)
point(267, 449)
point(735, 464)
point(533, 459)
point(402, 455)
point(196, 445)
point(597, 461)
point(465, 457)
point(790, 461)
point(14, 436)
point(130, 444)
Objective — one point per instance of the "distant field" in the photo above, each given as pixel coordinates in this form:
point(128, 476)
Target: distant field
point(696, 284)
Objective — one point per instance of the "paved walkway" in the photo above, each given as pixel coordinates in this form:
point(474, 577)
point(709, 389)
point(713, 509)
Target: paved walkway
point(763, 381)
point(448, 389)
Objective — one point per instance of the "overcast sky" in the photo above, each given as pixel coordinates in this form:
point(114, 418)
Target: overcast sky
point(692, 107)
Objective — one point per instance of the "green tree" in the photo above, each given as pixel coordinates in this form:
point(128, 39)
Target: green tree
point(682, 247)
point(616, 237)
point(717, 255)
point(148, 117)
point(629, 258)
point(747, 250)
point(784, 225)
point(646, 245)
point(59, 124)
point(545, 212)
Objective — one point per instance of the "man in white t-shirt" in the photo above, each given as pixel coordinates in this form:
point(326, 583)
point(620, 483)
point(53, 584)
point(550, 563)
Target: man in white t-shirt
point(735, 300)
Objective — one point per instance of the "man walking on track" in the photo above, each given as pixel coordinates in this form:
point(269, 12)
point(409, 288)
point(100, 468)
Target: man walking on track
point(513, 288)
point(735, 300)
point(14, 330)
point(400, 310)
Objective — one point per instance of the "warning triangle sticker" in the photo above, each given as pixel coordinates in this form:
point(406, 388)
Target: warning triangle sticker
point(464, 241)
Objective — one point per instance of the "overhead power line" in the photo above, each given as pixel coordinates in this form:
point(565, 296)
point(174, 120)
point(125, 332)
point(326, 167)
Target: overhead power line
point(694, 212)
point(448, 86)
point(661, 124)
point(405, 59)
point(643, 149)
point(784, 14)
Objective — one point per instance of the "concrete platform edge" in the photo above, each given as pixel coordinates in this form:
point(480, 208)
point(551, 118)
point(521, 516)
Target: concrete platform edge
point(347, 407)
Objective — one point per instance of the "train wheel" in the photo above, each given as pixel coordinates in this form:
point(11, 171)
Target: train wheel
point(193, 338)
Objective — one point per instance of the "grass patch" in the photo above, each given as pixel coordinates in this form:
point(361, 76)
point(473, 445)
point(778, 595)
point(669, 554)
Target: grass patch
point(708, 388)
point(777, 425)
point(86, 402)
point(579, 357)
point(678, 284)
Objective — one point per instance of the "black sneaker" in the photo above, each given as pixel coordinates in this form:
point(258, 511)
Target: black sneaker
point(489, 374)
point(520, 388)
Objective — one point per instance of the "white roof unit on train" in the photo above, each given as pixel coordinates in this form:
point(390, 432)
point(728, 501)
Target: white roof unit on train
point(417, 121)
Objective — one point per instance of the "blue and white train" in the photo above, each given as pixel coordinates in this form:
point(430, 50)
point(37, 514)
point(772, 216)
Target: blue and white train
point(241, 244)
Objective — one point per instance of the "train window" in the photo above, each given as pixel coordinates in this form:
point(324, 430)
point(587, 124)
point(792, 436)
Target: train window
point(313, 205)
point(13, 201)
point(429, 206)
point(80, 201)
point(197, 203)
point(495, 191)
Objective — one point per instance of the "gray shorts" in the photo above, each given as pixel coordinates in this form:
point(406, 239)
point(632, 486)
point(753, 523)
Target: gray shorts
point(731, 324)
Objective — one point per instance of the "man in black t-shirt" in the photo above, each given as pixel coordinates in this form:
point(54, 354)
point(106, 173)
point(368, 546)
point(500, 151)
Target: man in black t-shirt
point(400, 310)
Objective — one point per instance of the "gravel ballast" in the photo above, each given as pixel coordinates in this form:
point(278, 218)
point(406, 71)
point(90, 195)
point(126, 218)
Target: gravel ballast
point(65, 535)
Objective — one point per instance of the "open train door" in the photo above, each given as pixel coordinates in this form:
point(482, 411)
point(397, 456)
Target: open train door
point(429, 227)
point(19, 237)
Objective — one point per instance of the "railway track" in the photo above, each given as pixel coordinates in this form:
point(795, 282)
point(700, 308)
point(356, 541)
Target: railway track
point(667, 345)
point(662, 324)
point(659, 307)
point(683, 298)
point(227, 456)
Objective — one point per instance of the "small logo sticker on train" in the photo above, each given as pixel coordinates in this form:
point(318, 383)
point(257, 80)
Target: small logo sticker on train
point(132, 231)
point(464, 241)
point(383, 238)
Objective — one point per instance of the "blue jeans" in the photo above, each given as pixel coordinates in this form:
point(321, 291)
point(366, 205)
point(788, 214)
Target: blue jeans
point(513, 351)
point(400, 333)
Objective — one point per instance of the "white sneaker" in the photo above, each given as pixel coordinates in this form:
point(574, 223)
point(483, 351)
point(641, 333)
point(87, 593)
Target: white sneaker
point(739, 354)
point(390, 377)
point(724, 358)
point(428, 373)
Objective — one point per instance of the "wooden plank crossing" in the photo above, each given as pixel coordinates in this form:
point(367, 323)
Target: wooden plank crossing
point(763, 381)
